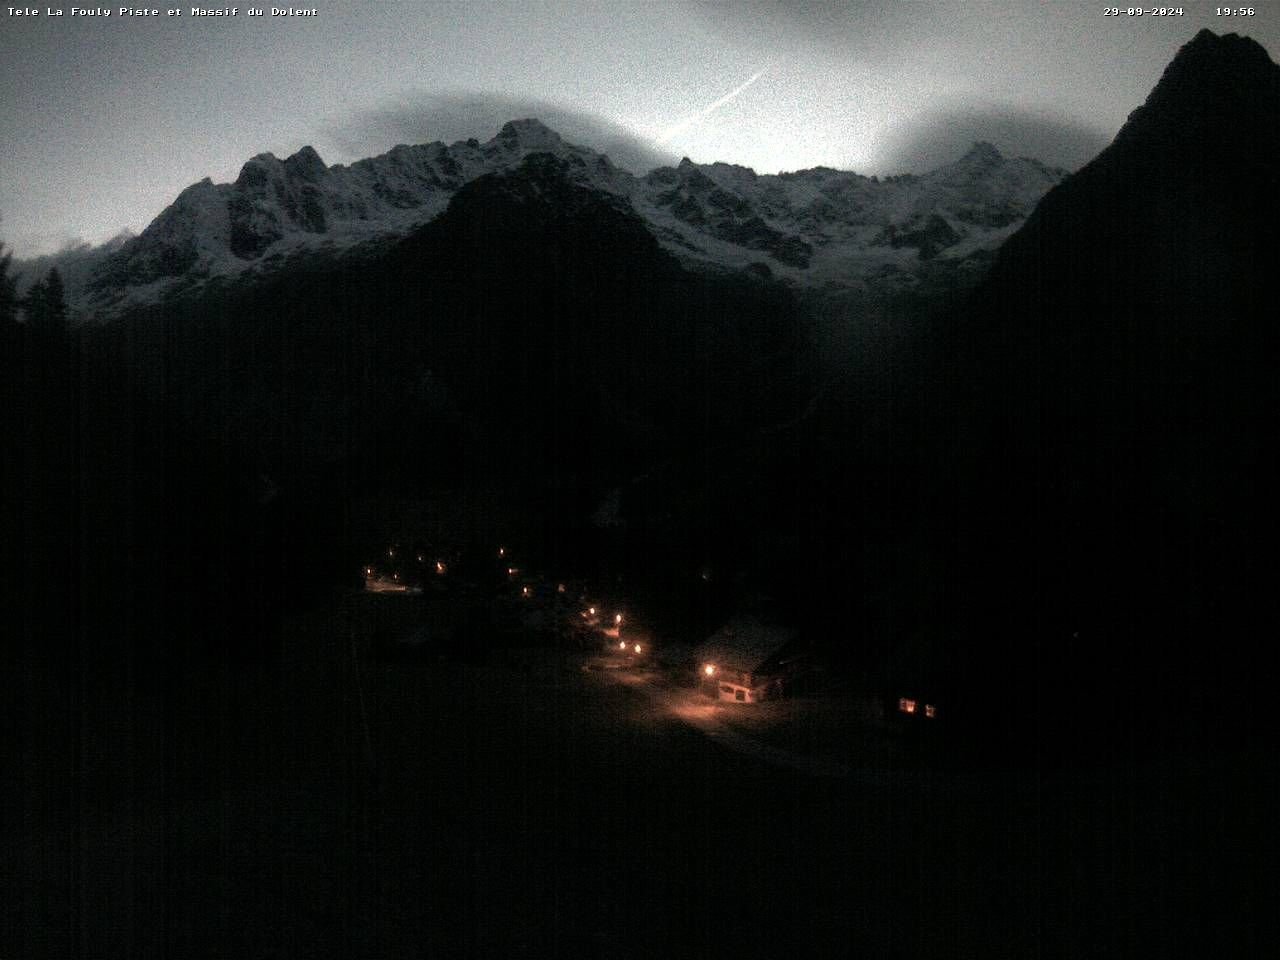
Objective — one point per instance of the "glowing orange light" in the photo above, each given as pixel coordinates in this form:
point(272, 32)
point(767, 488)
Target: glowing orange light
point(524, 591)
point(591, 610)
point(439, 567)
point(906, 706)
point(709, 669)
point(420, 558)
point(368, 571)
point(511, 571)
point(930, 711)
point(618, 618)
point(502, 551)
point(637, 648)
point(622, 644)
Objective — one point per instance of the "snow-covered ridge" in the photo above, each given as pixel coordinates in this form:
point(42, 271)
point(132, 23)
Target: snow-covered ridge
point(834, 228)
point(277, 209)
point(815, 228)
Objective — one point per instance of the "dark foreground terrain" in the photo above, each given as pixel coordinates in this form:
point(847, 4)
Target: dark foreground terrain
point(515, 804)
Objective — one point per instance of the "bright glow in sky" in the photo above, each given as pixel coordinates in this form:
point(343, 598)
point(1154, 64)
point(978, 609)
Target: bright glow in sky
point(104, 121)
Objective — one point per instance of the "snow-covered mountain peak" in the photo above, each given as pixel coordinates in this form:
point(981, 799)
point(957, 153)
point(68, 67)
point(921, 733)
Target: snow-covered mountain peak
point(306, 164)
point(529, 134)
point(817, 228)
point(197, 187)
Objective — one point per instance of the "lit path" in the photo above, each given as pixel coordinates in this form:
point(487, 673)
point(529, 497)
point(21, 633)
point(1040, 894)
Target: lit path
point(711, 718)
point(706, 716)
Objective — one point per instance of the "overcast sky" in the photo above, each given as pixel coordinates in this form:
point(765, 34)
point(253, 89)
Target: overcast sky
point(104, 121)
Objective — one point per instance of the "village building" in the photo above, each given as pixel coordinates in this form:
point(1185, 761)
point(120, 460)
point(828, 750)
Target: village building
point(748, 659)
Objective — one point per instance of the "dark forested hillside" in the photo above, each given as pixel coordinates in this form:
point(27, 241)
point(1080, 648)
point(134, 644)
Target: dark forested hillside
point(533, 342)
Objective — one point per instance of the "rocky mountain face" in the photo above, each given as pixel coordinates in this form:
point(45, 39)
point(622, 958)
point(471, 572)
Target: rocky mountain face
point(277, 210)
point(818, 229)
point(825, 228)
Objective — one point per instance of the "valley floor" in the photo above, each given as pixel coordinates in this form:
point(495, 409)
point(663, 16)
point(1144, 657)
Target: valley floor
point(542, 803)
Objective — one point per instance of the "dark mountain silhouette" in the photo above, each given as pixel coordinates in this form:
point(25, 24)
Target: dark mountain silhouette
point(1100, 419)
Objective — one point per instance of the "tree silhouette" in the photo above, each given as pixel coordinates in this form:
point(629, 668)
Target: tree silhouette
point(46, 304)
point(8, 289)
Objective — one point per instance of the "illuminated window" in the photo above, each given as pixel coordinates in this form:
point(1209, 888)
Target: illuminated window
point(930, 711)
point(906, 706)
